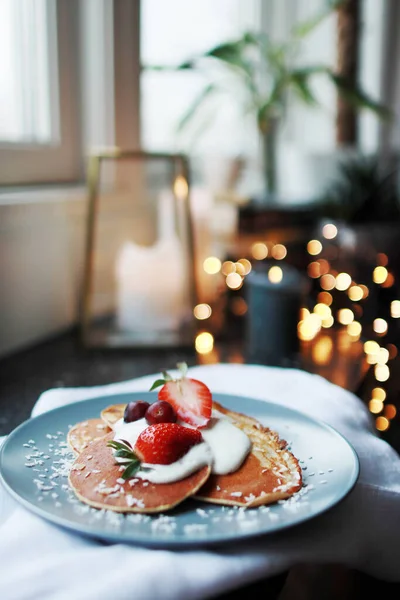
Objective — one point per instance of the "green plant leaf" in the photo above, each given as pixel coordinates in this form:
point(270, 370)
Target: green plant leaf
point(300, 83)
point(157, 384)
point(196, 105)
point(357, 97)
point(131, 469)
point(306, 27)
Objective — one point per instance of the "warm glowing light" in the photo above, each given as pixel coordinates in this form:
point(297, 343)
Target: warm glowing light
point(390, 411)
point(343, 281)
point(239, 306)
point(355, 293)
point(345, 316)
point(322, 350)
point(382, 423)
point(304, 313)
point(202, 311)
point(308, 329)
point(389, 281)
point(382, 259)
point(275, 274)
point(239, 268)
point(234, 281)
point(228, 267)
point(324, 266)
point(383, 356)
point(371, 347)
point(259, 251)
point(204, 342)
point(380, 326)
point(354, 329)
point(378, 393)
point(314, 270)
point(395, 309)
point(375, 405)
point(322, 310)
point(327, 282)
point(372, 359)
point(314, 247)
point(181, 187)
point(326, 323)
point(279, 251)
point(329, 231)
point(325, 298)
point(246, 264)
point(392, 351)
point(365, 290)
point(382, 372)
point(380, 274)
point(212, 265)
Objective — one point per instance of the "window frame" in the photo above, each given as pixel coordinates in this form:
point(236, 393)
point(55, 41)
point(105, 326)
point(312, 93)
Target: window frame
point(61, 160)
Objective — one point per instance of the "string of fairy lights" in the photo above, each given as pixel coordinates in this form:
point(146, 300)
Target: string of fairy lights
point(329, 285)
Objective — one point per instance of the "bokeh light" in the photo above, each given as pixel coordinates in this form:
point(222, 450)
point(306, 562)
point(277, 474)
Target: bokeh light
point(390, 411)
point(395, 309)
point(228, 267)
point(371, 347)
point(379, 274)
point(234, 281)
point(328, 322)
point(382, 372)
point(304, 313)
point(275, 274)
point(324, 266)
point(322, 310)
point(246, 264)
point(308, 329)
point(382, 423)
point(239, 268)
point(365, 290)
point(354, 329)
point(181, 187)
point(383, 356)
point(378, 393)
point(259, 250)
point(345, 316)
point(382, 259)
point(322, 350)
point(392, 351)
point(343, 282)
point(380, 326)
point(325, 298)
point(202, 311)
point(204, 342)
point(355, 293)
point(239, 306)
point(314, 270)
point(279, 251)
point(375, 405)
point(329, 231)
point(314, 247)
point(327, 282)
point(389, 281)
point(212, 265)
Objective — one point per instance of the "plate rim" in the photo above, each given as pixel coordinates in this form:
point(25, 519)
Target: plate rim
point(116, 537)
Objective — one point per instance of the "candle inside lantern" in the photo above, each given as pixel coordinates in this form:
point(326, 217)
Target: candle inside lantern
point(274, 299)
point(151, 281)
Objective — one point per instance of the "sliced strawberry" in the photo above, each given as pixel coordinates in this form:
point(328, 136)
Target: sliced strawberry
point(165, 443)
point(190, 398)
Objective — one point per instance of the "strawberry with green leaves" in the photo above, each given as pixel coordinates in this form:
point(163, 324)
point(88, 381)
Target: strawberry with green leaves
point(191, 399)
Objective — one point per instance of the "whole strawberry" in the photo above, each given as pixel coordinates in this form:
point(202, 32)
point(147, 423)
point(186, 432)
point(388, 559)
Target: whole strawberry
point(191, 399)
point(165, 443)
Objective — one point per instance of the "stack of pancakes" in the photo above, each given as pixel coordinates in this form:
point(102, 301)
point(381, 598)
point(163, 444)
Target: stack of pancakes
point(269, 473)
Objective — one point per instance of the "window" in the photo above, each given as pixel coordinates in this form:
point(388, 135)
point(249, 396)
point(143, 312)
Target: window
point(39, 139)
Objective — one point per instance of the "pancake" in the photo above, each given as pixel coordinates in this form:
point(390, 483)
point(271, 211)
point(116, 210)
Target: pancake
point(269, 473)
point(96, 480)
point(112, 414)
point(82, 434)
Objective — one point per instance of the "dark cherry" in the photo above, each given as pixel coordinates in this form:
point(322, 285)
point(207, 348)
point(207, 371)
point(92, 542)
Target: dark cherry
point(135, 411)
point(160, 412)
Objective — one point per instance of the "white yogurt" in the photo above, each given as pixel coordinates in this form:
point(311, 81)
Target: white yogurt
point(224, 448)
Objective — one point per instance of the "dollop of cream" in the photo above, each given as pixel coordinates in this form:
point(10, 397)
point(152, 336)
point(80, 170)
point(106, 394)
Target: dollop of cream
point(224, 448)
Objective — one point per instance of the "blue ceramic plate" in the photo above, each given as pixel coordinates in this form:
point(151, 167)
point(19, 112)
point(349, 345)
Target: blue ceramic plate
point(34, 464)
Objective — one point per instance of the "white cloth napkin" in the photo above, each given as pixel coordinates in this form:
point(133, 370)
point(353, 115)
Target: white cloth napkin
point(39, 560)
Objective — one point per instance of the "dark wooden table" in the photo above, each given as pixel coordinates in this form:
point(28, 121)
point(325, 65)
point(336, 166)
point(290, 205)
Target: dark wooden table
point(62, 362)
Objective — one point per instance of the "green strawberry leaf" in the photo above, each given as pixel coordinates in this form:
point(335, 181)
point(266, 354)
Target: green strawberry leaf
point(157, 384)
point(131, 469)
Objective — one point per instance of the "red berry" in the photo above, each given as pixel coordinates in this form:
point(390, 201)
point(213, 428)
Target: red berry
point(160, 412)
point(191, 399)
point(135, 411)
point(165, 443)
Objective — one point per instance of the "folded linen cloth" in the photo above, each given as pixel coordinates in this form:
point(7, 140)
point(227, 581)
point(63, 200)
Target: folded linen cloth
point(40, 560)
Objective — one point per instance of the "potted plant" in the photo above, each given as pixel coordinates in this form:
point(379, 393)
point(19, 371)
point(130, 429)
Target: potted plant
point(266, 72)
